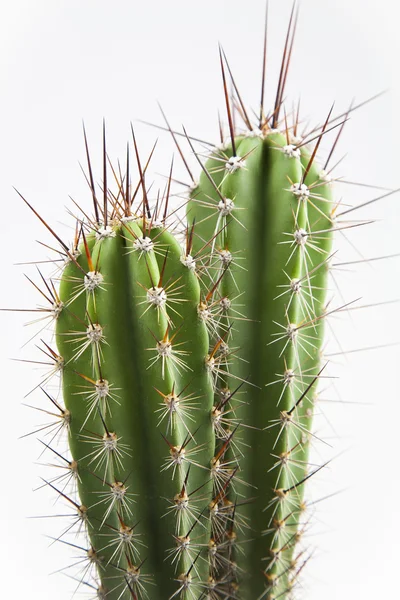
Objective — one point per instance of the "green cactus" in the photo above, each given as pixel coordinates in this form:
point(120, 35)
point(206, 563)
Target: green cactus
point(190, 357)
point(272, 235)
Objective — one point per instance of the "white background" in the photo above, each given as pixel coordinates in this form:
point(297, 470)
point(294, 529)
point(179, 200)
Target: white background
point(64, 61)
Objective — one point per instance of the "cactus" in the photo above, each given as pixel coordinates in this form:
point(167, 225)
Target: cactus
point(189, 358)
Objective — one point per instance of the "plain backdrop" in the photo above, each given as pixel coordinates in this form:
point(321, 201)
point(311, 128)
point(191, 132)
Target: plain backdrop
point(64, 61)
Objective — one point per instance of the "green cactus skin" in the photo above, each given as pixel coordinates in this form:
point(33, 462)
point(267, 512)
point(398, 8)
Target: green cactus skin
point(189, 359)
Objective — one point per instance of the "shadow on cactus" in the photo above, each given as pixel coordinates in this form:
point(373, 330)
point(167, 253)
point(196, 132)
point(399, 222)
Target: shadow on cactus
point(189, 356)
